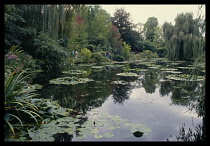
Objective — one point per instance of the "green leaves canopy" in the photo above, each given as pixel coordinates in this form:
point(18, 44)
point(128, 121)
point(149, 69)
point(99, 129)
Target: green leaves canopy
point(183, 40)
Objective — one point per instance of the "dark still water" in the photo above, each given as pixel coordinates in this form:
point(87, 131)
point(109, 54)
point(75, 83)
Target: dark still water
point(150, 101)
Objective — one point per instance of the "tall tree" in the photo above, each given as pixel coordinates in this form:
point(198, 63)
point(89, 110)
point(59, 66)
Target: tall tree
point(150, 28)
point(182, 39)
point(99, 24)
point(115, 39)
point(78, 33)
point(123, 22)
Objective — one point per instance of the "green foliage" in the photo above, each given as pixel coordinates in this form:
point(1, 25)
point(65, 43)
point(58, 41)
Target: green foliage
point(123, 22)
point(118, 58)
point(161, 51)
point(17, 59)
point(126, 50)
point(158, 38)
point(48, 53)
point(150, 28)
point(99, 23)
point(16, 101)
point(146, 45)
point(78, 33)
point(148, 54)
point(14, 30)
point(86, 54)
point(100, 43)
point(98, 57)
point(70, 80)
point(183, 40)
point(115, 39)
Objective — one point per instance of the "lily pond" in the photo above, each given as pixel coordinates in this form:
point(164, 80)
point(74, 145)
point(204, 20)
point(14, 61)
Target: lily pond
point(120, 101)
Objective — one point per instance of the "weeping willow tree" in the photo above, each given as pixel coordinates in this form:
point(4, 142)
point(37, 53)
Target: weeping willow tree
point(183, 40)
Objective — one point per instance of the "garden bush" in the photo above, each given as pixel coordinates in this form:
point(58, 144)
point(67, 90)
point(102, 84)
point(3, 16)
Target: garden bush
point(49, 54)
point(86, 54)
point(98, 57)
point(118, 58)
point(148, 54)
point(17, 60)
point(126, 50)
point(161, 51)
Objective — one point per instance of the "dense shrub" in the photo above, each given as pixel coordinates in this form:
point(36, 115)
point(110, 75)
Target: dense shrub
point(161, 51)
point(86, 54)
point(118, 58)
point(17, 60)
point(98, 57)
point(148, 54)
point(49, 55)
point(126, 50)
point(146, 45)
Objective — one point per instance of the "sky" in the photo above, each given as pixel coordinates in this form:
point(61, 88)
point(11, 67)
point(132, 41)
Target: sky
point(164, 13)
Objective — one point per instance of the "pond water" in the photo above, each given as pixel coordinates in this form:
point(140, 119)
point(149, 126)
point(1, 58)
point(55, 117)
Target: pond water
point(148, 104)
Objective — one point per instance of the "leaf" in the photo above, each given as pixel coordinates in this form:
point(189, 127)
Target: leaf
point(111, 127)
point(108, 134)
point(81, 137)
point(127, 74)
point(98, 136)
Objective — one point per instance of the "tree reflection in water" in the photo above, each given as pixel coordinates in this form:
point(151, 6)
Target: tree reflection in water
point(84, 97)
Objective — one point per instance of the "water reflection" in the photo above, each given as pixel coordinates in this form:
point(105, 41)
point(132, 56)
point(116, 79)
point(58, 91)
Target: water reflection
point(150, 80)
point(120, 93)
point(87, 96)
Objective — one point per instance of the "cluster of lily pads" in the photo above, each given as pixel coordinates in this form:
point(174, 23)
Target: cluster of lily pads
point(70, 80)
point(97, 67)
point(120, 82)
point(185, 77)
point(138, 69)
point(126, 74)
point(92, 126)
point(75, 72)
point(49, 111)
point(29, 87)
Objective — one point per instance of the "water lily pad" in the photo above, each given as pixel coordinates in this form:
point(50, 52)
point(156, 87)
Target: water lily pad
point(98, 136)
point(154, 67)
point(120, 82)
point(168, 69)
point(108, 134)
point(95, 67)
point(81, 137)
point(185, 77)
point(70, 80)
point(115, 65)
point(75, 72)
point(185, 67)
point(111, 127)
point(139, 69)
point(127, 74)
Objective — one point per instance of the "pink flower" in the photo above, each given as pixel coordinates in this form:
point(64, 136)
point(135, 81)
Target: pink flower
point(80, 20)
point(11, 56)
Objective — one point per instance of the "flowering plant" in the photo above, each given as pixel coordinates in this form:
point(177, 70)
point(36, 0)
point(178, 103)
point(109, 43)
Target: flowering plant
point(11, 55)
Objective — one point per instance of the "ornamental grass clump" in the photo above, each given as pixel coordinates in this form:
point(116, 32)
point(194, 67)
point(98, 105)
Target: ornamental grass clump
point(17, 105)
